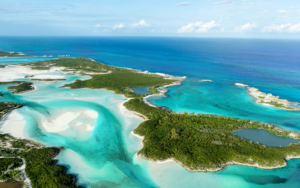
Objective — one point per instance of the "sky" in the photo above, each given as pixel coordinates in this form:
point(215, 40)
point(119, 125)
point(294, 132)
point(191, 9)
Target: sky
point(202, 18)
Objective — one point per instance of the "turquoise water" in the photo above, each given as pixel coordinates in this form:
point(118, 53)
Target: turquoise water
point(107, 151)
point(105, 156)
point(204, 97)
point(265, 138)
point(17, 60)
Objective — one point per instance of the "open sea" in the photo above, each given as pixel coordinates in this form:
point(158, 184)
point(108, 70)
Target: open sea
point(106, 158)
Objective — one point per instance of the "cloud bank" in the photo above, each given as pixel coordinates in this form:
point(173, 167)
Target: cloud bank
point(246, 27)
point(183, 3)
point(142, 23)
point(98, 25)
point(198, 27)
point(119, 26)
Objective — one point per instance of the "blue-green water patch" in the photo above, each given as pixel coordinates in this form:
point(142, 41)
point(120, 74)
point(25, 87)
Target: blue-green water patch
point(141, 90)
point(265, 138)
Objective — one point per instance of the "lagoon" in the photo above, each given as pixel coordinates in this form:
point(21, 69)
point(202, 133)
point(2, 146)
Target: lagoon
point(265, 138)
point(141, 90)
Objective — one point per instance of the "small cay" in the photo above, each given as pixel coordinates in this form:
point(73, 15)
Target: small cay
point(269, 99)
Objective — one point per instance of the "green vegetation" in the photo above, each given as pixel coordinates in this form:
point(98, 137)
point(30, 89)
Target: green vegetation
point(29, 76)
point(2, 138)
point(202, 142)
point(40, 68)
point(40, 166)
point(19, 144)
point(2, 66)
point(154, 89)
point(6, 163)
point(7, 166)
point(275, 104)
point(43, 172)
point(23, 87)
point(139, 106)
point(5, 107)
point(119, 80)
point(11, 54)
point(12, 82)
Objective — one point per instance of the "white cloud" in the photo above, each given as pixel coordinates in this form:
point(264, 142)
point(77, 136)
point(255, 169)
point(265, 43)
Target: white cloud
point(283, 11)
point(183, 3)
point(228, 2)
point(142, 23)
point(198, 27)
point(275, 28)
point(263, 11)
point(98, 25)
point(119, 26)
point(294, 28)
point(246, 27)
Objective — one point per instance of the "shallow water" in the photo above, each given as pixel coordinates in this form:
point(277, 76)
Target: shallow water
point(265, 138)
point(105, 156)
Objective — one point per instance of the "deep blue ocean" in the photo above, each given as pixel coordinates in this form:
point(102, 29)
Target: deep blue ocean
point(273, 66)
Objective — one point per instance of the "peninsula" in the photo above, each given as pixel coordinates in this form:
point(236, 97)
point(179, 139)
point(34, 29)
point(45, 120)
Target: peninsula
point(12, 54)
point(269, 99)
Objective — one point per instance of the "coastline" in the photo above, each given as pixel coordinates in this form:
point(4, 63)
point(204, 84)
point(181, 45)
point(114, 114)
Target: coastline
point(123, 109)
point(268, 99)
point(22, 92)
point(222, 166)
point(162, 92)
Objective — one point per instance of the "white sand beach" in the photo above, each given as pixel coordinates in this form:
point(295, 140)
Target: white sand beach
point(14, 123)
point(73, 120)
point(12, 72)
point(48, 77)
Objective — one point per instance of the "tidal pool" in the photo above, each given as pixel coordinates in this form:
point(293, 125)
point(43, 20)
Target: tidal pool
point(265, 138)
point(141, 90)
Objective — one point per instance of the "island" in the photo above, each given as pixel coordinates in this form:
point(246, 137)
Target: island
point(22, 88)
point(200, 143)
point(12, 54)
point(11, 83)
point(268, 99)
point(119, 80)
